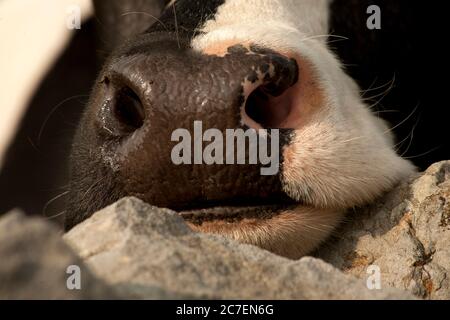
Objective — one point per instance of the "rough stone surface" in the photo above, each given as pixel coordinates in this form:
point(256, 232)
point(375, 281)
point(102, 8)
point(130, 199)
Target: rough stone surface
point(133, 250)
point(407, 235)
point(34, 261)
point(139, 249)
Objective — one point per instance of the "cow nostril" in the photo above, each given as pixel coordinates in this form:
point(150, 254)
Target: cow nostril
point(128, 109)
point(266, 110)
point(253, 106)
point(272, 95)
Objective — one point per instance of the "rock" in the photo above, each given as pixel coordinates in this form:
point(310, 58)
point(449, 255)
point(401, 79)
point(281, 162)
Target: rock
point(34, 260)
point(407, 235)
point(134, 250)
point(139, 249)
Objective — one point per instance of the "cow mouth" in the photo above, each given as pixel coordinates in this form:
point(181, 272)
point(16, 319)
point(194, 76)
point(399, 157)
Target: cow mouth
point(230, 212)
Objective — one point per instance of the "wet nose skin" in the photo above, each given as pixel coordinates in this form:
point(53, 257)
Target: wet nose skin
point(144, 95)
point(147, 96)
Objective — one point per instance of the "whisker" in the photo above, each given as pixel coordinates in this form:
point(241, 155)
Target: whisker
point(171, 3)
point(334, 41)
point(176, 24)
point(319, 36)
point(363, 92)
point(102, 25)
point(404, 121)
point(41, 130)
point(93, 185)
point(424, 154)
point(387, 111)
point(411, 136)
point(382, 95)
point(44, 210)
point(389, 84)
point(56, 215)
point(352, 139)
point(398, 145)
point(33, 145)
point(146, 14)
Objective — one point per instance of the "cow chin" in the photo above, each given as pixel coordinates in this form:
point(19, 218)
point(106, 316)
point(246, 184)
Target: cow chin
point(291, 233)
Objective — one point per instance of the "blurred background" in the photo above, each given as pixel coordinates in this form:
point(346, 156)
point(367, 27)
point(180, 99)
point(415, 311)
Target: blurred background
point(47, 72)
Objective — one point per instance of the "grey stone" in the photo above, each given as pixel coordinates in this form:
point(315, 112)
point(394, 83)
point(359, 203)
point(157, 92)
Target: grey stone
point(407, 235)
point(139, 249)
point(134, 250)
point(34, 260)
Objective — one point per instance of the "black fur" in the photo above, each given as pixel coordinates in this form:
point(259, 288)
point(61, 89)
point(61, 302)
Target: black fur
point(186, 16)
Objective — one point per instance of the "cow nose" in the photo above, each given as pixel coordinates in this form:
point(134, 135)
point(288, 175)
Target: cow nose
point(158, 106)
point(174, 89)
point(122, 111)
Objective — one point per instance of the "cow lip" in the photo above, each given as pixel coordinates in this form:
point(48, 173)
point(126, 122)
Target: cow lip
point(234, 213)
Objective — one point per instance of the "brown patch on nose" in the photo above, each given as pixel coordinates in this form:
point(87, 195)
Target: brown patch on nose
point(225, 47)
